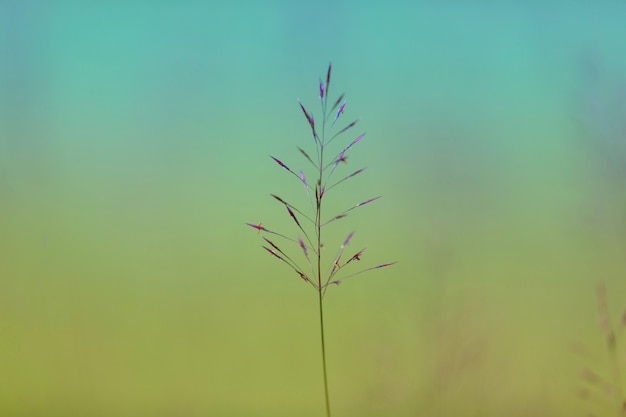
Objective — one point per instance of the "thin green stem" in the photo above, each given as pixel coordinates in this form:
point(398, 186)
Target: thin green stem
point(321, 304)
point(320, 294)
point(324, 355)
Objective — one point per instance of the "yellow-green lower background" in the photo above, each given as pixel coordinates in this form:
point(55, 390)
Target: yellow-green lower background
point(134, 142)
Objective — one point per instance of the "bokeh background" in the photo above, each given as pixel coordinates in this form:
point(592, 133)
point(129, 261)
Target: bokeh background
point(134, 142)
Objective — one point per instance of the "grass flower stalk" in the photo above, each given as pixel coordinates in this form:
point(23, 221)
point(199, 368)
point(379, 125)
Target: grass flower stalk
point(309, 227)
point(611, 334)
point(606, 392)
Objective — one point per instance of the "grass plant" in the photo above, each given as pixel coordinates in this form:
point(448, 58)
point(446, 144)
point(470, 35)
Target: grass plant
point(324, 177)
point(607, 393)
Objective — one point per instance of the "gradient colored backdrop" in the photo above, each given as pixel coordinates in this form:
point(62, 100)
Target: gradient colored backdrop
point(134, 142)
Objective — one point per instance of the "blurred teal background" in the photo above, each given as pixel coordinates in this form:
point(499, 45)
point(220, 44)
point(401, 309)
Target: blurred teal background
point(133, 148)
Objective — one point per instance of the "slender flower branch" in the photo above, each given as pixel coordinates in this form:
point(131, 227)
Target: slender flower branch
point(309, 225)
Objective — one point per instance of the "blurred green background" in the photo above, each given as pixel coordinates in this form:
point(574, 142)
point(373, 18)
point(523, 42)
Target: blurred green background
point(133, 148)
